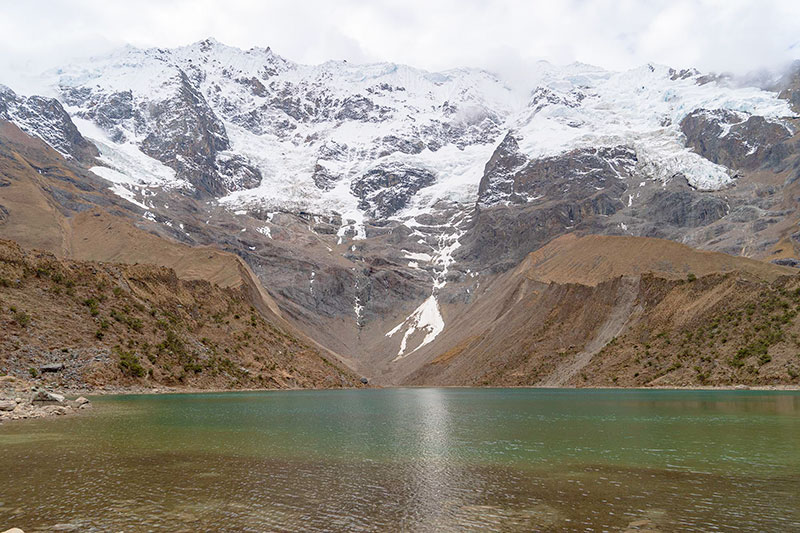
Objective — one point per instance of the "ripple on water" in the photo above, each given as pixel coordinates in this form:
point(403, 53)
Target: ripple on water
point(407, 460)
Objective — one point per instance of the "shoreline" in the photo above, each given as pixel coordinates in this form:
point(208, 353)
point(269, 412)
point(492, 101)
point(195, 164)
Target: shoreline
point(191, 390)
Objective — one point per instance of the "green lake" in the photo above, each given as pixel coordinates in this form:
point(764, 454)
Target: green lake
point(410, 460)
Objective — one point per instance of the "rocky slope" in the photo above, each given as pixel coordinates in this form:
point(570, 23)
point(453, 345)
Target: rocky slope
point(91, 325)
point(624, 311)
point(376, 202)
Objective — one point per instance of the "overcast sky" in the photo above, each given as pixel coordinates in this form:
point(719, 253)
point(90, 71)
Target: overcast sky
point(501, 35)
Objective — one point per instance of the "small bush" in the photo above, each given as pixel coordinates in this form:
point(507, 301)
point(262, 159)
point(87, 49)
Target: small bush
point(33, 372)
point(92, 304)
point(130, 365)
point(691, 277)
point(22, 318)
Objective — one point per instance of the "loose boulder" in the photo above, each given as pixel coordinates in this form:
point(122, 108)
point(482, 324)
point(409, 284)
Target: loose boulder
point(52, 367)
point(7, 405)
point(47, 397)
point(81, 403)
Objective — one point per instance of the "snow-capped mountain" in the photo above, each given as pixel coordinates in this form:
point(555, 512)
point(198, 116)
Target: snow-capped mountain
point(377, 195)
point(253, 129)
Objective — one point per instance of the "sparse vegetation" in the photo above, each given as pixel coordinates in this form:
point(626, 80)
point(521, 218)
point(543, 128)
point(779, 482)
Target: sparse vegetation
point(22, 318)
point(157, 330)
point(130, 365)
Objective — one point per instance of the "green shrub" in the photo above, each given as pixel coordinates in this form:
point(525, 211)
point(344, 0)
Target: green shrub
point(691, 277)
point(22, 318)
point(92, 304)
point(132, 322)
point(33, 372)
point(130, 365)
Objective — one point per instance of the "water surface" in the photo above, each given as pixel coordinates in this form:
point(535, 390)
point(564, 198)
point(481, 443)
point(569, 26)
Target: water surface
point(410, 460)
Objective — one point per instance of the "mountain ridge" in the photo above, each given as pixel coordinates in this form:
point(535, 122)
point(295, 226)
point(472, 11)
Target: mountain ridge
point(371, 201)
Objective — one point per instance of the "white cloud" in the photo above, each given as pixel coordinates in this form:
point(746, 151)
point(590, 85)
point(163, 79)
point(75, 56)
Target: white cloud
point(501, 35)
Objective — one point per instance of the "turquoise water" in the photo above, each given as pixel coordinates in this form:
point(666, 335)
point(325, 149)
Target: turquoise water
point(410, 460)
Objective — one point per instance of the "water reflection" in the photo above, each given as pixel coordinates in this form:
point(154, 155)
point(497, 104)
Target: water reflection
point(431, 479)
point(416, 459)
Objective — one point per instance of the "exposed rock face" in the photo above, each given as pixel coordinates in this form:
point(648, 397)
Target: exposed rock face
point(387, 189)
point(736, 140)
point(523, 204)
point(179, 130)
point(789, 86)
point(46, 118)
point(683, 209)
point(499, 175)
point(576, 174)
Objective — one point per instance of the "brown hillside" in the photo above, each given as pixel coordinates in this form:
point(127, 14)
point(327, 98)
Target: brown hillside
point(591, 259)
point(53, 205)
point(141, 325)
point(530, 328)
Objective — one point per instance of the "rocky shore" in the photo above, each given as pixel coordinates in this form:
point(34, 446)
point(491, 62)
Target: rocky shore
point(21, 400)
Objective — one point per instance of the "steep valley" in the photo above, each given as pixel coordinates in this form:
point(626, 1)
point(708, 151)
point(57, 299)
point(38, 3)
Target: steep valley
point(600, 228)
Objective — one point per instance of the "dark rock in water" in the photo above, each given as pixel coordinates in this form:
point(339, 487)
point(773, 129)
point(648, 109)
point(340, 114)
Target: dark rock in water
point(47, 397)
point(52, 367)
point(364, 381)
point(787, 261)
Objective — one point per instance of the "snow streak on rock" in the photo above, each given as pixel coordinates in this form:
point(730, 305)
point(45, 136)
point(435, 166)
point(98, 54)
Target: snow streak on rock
point(428, 317)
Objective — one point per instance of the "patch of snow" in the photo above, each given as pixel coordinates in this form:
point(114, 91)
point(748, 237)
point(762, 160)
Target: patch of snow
point(426, 317)
point(417, 256)
point(127, 168)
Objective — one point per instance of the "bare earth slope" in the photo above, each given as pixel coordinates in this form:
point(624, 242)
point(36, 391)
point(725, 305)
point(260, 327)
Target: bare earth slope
point(643, 312)
point(141, 325)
